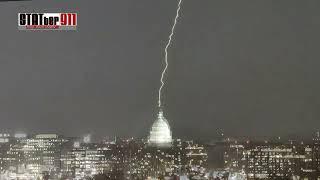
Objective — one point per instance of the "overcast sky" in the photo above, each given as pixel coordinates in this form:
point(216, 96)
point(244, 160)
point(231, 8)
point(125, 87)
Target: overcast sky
point(248, 67)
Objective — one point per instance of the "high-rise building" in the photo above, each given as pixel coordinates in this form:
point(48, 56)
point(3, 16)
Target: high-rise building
point(43, 152)
point(160, 133)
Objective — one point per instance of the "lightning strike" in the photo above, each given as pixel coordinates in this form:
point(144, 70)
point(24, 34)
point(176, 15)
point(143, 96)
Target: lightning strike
point(166, 52)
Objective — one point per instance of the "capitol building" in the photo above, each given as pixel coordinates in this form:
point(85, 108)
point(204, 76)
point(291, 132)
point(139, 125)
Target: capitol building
point(160, 133)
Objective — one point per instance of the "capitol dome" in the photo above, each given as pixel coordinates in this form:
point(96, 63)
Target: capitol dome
point(160, 133)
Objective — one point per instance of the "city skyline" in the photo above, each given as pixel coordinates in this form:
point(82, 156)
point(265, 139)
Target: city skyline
point(53, 156)
point(249, 68)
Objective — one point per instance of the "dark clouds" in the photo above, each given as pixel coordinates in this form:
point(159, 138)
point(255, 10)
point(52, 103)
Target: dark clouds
point(249, 67)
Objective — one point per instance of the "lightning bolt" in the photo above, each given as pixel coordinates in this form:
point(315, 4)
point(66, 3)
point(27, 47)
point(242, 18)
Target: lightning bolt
point(166, 52)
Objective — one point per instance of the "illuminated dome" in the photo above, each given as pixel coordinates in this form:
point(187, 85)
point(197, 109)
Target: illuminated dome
point(160, 133)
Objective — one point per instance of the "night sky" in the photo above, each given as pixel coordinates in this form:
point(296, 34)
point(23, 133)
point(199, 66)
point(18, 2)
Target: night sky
point(247, 67)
